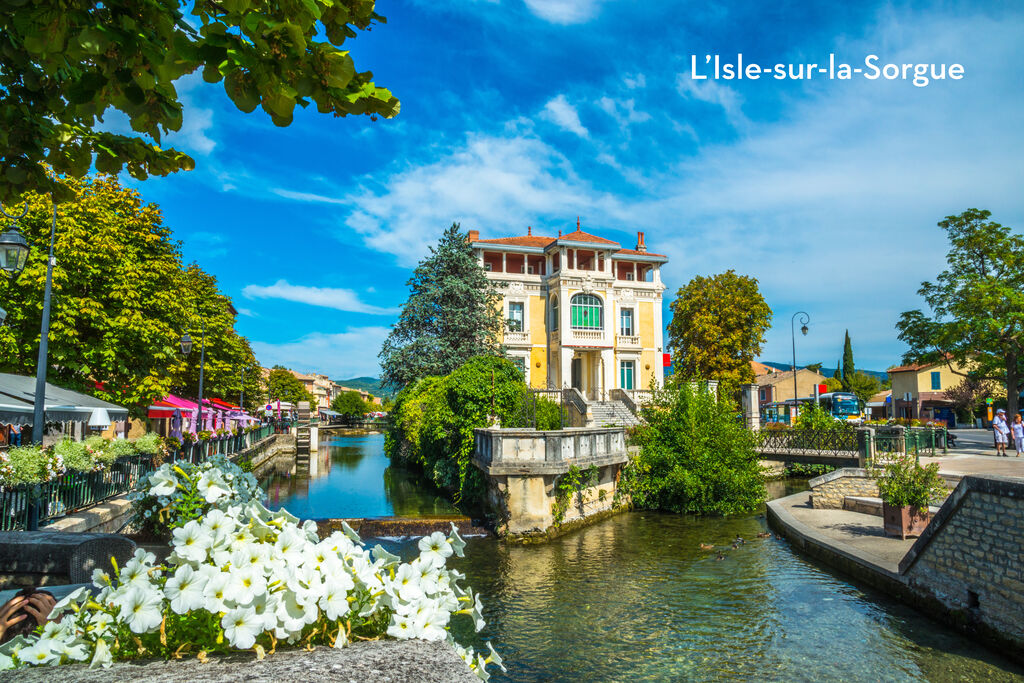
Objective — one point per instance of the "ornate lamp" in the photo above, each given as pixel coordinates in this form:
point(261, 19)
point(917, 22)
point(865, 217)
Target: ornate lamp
point(13, 252)
point(186, 344)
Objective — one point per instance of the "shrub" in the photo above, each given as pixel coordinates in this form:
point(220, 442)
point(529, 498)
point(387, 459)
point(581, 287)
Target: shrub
point(433, 421)
point(75, 455)
point(149, 444)
point(121, 448)
point(694, 456)
point(905, 482)
point(23, 465)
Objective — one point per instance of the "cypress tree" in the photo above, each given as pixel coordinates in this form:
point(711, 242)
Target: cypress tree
point(838, 374)
point(848, 368)
point(452, 314)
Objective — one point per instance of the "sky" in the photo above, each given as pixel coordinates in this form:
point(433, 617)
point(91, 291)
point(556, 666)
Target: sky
point(534, 112)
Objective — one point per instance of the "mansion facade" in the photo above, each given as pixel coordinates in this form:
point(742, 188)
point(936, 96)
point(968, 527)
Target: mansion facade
point(580, 310)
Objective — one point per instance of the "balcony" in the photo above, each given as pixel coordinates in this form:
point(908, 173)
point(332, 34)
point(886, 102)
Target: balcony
point(584, 337)
point(627, 341)
point(517, 338)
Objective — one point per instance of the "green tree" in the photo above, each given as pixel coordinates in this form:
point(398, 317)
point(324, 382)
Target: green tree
point(848, 367)
point(453, 313)
point(717, 327)
point(694, 457)
point(969, 393)
point(813, 367)
point(63, 67)
point(838, 374)
point(284, 386)
point(863, 385)
point(977, 305)
point(350, 404)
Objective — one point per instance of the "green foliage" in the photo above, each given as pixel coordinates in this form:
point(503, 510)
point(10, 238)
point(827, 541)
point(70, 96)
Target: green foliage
point(717, 328)
point(33, 465)
point(977, 304)
point(805, 471)
point(63, 67)
point(432, 421)
point(75, 455)
point(121, 301)
point(149, 444)
point(350, 403)
point(863, 385)
point(694, 457)
point(22, 465)
point(848, 367)
point(905, 482)
point(284, 386)
point(569, 485)
point(813, 416)
point(452, 314)
point(834, 383)
point(548, 414)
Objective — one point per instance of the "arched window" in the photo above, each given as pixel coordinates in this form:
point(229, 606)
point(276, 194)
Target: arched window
point(586, 312)
point(554, 312)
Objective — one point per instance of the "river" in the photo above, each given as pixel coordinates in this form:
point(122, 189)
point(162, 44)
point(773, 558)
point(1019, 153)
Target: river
point(635, 598)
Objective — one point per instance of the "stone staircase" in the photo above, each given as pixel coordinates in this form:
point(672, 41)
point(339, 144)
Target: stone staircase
point(608, 413)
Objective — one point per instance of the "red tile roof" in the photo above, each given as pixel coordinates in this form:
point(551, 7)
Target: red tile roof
point(580, 236)
point(523, 241)
point(634, 252)
point(915, 367)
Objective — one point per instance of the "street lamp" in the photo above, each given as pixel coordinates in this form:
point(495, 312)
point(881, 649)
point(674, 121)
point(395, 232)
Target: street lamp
point(3, 317)
point(241, 390)
point(804, 319)
point(186, 344)
point(13, 255)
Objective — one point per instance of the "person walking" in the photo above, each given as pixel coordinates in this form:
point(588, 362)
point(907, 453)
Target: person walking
point(15, 435)
point(1017, 429)
point(1001, 430)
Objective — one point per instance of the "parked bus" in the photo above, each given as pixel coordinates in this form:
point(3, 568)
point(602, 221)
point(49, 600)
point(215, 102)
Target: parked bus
point(842, 405)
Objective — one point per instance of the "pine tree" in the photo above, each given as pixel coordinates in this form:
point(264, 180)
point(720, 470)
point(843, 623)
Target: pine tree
point(848, 368)
point(452, 314)
point(838, 374)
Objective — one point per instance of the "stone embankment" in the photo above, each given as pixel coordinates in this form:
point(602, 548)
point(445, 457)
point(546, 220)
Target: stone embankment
point(966, 569)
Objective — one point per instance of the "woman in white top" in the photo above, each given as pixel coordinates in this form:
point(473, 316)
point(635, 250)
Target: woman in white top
point(1017, 429)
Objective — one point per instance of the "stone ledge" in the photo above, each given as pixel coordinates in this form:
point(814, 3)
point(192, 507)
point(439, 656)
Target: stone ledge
point(542, 467)
point(390, 661)
point(106, 517)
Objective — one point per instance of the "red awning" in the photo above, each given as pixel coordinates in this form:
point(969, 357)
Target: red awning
point(161, 410)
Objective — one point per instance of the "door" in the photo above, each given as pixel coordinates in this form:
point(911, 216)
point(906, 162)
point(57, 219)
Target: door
point(577, 373)
point(626, 370)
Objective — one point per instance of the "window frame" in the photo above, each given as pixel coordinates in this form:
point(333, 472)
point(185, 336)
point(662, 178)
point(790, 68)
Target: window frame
point(936, 380)
point(521, 305)
point(632, 321)
point(583, 304)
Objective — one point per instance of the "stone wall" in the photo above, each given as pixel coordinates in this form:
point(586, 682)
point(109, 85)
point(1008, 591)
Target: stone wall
point(830, 490)
point(971, 557)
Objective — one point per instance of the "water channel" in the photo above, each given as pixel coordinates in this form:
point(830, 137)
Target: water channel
point(634, 598)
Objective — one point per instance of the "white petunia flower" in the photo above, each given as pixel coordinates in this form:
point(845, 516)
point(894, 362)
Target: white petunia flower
point(212, 486)
point(141, 608)
point(191, 542)
point(435, 548)
point(241, 627)
point(245, 583)
point(185, 589)
point(163, 482)
point(39, 653)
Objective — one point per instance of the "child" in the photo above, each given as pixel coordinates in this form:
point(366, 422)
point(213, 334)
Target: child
point(1018, 433)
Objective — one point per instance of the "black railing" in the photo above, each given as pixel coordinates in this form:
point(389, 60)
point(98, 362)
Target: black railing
point(27, 506)
point(838, 441)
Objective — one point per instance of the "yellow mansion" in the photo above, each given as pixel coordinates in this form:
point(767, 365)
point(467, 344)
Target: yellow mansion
point(580, 310)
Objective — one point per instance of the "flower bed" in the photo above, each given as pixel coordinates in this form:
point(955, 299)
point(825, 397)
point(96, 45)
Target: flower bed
point(245, 578)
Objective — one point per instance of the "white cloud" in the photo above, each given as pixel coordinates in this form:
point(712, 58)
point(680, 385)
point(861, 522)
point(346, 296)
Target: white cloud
point(635, 81)
point(247, 312)
point(713, 92)
point(564, 11)
point(352, 353)
point(327, 297)
point(565, 116)
point(498, 184)
point(306, 196)
point(623, 111)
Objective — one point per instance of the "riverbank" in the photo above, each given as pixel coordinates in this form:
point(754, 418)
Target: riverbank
point(965, 570)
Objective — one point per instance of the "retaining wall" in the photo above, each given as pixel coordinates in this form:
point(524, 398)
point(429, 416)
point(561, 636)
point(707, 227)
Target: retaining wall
point(829, 491)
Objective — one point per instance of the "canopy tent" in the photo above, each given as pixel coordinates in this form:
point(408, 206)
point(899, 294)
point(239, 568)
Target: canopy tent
point(216, 413)
point(17, 403)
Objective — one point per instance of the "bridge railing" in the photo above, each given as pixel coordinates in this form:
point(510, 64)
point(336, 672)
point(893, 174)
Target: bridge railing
point(839, 441)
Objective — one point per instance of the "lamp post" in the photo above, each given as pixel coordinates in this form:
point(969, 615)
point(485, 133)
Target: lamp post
point(804, 319)
point(13, 256)
point(241, 389)
point(186, 349)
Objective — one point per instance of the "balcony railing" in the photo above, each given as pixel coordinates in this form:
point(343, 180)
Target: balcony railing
point(593, 336)
point(627, 340)
point(517, 337)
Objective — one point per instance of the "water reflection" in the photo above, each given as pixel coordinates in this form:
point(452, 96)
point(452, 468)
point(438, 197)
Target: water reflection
point(351, 477)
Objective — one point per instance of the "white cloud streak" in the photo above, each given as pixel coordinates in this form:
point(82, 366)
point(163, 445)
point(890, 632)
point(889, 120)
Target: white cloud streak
point(326, 297)
point(564, 115)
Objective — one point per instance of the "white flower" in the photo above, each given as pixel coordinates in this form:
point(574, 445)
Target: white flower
point(435, 548)
point(185, 589)
point(245, 583)
point(135, 571)
point(65, 603)
point(101, 622)
point(406, 584)
point(402, 627)
point(163, 482)
point(39, 652)
point(431, 625)
point(241, 626)
point(216, 592)
point(141, 608)
point(101, 655)
point(191, 542)
point(334, 602)
point(212, 486)
point(74, 650)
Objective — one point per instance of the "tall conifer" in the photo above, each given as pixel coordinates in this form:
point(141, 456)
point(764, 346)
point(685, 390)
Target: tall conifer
point(848, 368)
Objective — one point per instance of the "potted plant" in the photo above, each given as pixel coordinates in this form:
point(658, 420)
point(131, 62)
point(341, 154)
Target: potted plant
point(906, 489)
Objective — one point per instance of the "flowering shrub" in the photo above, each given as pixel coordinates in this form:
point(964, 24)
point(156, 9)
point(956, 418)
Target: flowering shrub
point(177, 493)
point(248, 579)
point(34, 465)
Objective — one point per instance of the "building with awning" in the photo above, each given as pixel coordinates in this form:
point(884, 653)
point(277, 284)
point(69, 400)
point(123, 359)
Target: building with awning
point(17, 404)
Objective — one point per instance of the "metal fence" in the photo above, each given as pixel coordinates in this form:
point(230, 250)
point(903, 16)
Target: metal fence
point(27, 506)
point(838, 441)
point(541, 409)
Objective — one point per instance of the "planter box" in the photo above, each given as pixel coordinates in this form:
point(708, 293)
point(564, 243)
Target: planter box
point(904, 521)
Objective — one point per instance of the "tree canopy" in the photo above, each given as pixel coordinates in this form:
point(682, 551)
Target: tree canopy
point(350, 403)
point(64, 66)
point(121, 301)
point(717, 328)
point(977, 305)
point(453, 313)
point(284, 386)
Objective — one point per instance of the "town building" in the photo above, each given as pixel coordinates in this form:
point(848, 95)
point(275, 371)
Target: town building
point(581, 311)
point(776, 386)
point(919, 390)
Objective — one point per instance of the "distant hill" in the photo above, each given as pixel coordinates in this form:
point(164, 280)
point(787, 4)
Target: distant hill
point(369, 384)
point(828, 372)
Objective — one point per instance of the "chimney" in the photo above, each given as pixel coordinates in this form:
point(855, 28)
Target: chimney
point(474, 236)
point(577, 222)
point(529, 230)
point(640, 246)
point(559, 232)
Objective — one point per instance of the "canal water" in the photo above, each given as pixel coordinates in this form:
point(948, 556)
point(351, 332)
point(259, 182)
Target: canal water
point(634, 598)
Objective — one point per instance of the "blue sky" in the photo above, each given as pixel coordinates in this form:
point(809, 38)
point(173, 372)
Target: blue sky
point(531, 112)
